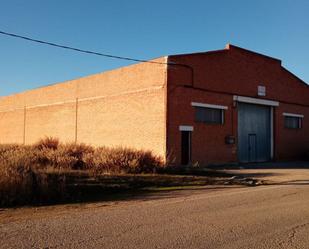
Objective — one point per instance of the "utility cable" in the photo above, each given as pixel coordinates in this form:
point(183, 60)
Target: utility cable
point(97, 53)
point(80, 50)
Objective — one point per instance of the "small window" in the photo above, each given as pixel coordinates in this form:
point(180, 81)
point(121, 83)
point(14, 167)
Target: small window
point(292, 122)
point(209, 115)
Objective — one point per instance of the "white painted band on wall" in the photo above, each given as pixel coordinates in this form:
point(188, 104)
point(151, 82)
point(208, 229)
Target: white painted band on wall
point(293, 115)
point(185, 128)
point(209, 105)
point(255, 101)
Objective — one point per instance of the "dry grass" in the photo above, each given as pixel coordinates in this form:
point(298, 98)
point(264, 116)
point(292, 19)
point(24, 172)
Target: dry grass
point(25, 171)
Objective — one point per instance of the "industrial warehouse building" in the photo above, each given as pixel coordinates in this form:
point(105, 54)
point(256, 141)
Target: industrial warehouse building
point(230, 105)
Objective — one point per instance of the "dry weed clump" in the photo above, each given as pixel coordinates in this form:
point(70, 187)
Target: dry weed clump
point(122, 160)
point(25, 170)
point(21, 182)
point(47, 143)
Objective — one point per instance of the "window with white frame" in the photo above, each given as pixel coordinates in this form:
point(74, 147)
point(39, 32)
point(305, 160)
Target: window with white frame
point(293, 121)
point(209, 114)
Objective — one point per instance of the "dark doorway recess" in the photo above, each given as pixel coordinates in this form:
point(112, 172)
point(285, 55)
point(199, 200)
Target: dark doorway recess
point(185, 147)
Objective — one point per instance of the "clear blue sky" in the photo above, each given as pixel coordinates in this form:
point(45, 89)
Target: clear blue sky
point(142, 29)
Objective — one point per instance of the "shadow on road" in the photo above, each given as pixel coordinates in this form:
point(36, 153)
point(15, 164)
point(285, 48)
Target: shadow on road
point(115, 188)
point(271, 173)
point(294, 182)
point(84, 188)
point(266, 165)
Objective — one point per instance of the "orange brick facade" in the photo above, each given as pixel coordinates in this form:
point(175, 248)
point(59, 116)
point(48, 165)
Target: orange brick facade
point(142, 106)
point(123, 107)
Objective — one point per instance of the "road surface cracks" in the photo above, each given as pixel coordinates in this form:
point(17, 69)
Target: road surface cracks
point(289, 241)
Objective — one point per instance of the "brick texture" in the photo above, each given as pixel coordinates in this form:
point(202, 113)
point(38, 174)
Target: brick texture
point(54, 120)
point(218, 75)
point(143, 105)
point(122, 107)
point(11, 126)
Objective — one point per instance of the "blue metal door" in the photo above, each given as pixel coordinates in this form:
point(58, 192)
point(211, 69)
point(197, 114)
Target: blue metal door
point(252, 147)
point(253, 133)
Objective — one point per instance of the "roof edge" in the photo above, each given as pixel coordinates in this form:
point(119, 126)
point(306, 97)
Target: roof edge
point(227, 48)
point(52, 84)
point(295, 76)
point(200, 53)
point(231, 46)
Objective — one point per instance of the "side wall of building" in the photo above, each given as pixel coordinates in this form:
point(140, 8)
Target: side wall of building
point(207, 140)
point(217, 77)
point(123, 107)
point(291, 144)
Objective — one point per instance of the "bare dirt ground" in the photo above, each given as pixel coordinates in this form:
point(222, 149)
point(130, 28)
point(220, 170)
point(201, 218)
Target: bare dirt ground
point(275, 176)
point(270, 216)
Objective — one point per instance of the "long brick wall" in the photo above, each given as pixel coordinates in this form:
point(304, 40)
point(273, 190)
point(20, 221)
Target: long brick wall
point(123, 107)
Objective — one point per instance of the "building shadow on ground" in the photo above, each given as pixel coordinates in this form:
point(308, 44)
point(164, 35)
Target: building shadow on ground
point(264, 165)
point(81, 189)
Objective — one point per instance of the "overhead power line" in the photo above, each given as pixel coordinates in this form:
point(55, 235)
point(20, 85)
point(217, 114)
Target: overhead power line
point(98, 53)
point(81, 50)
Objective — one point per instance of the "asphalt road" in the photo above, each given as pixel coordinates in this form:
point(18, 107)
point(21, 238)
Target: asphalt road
point(274, 216)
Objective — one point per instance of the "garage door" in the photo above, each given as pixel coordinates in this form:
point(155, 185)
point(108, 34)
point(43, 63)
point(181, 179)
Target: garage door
point(254, 132)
